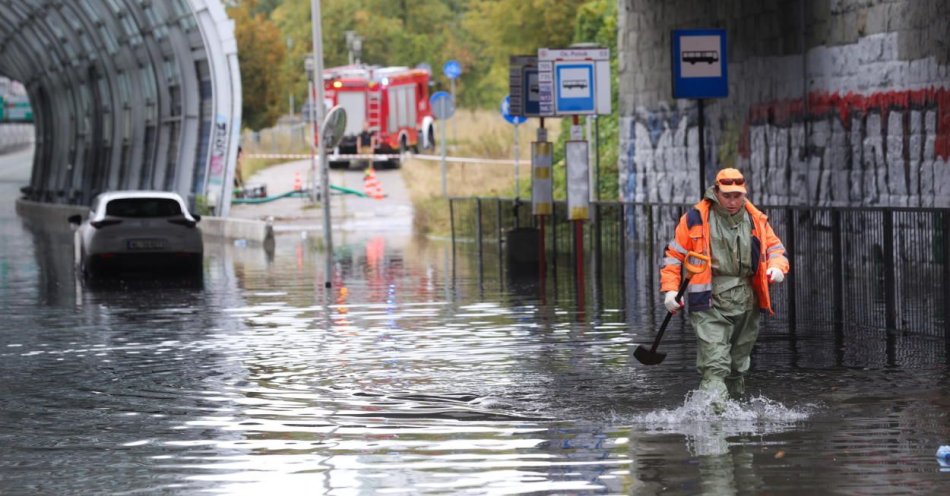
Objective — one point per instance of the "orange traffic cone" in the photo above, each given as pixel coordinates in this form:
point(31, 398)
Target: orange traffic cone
point(298, 186)
point(371, 185)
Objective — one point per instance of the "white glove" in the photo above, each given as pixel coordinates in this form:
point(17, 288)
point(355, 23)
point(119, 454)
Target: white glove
point(775, 275)
point(670, 302)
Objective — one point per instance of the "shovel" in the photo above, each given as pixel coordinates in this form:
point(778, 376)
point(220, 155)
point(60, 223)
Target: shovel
point(651, 356)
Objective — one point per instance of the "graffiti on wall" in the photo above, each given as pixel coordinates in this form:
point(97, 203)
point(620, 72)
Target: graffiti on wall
point(886, 148)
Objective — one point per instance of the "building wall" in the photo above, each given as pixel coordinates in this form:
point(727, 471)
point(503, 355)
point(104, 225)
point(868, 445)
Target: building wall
point(831, 102)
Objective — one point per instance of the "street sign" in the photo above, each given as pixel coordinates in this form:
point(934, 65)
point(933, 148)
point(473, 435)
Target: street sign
point(573, 88)
point(699, 63)
point(573, 81)
point(505, 109)
point(523, 85)
point(443, 106)
point(333, 127)
point(452, 69)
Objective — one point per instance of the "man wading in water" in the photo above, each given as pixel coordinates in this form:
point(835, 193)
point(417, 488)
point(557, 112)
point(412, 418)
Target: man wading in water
point(727, 298)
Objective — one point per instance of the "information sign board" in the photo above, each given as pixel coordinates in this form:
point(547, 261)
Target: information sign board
point(573, 81)
point(699, 63)
point(523, 85)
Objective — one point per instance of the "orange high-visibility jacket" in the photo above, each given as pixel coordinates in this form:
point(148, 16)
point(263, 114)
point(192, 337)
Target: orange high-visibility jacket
point(692, 234)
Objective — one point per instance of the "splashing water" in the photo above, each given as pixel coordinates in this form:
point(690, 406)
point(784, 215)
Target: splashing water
point(698, 406)
point(707, 427)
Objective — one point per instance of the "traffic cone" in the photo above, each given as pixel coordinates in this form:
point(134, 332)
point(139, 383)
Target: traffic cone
point(371, 185)
point(298, 186)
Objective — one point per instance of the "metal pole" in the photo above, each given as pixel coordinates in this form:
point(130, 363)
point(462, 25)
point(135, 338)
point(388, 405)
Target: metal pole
point(702, 150)
point(792, 275)
point(320, 112)
point(890, 291)
point(478, 237)
point(445, 189)
point(596, 183)
point(313, 138)
point(452, 82)
point(837, 269)
point(946, 278)
point(517, 176)
point(317, 106)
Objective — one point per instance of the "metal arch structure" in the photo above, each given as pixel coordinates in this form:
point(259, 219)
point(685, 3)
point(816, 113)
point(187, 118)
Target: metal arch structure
point(127, 94)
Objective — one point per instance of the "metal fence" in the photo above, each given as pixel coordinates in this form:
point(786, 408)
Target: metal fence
point(882, 268)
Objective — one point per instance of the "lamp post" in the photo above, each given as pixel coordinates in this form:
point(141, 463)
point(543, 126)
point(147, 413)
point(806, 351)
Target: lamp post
point(319, 113)
point(290, 46)
point(354, 46)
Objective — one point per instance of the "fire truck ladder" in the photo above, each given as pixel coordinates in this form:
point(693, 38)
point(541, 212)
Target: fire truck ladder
point(374, 110)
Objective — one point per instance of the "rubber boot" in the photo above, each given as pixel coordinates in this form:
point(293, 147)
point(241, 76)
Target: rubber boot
point(716, 388)
point(735, 383)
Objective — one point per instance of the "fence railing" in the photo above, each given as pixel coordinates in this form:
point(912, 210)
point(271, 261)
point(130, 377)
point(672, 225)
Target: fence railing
point(884, 268)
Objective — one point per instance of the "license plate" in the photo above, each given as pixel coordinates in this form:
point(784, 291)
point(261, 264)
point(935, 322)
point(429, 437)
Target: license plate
point(146, 244)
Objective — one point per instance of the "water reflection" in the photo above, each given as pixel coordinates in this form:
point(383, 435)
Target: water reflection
point(413, 374)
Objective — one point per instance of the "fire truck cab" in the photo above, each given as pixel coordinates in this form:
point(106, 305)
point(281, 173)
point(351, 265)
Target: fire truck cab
point(387, 111)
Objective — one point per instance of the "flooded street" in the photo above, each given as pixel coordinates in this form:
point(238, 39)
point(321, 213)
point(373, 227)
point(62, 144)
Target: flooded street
point(418, 373)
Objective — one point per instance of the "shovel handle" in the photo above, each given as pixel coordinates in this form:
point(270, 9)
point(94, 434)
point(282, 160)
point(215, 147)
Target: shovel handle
point(669, 315)
point(690, 270)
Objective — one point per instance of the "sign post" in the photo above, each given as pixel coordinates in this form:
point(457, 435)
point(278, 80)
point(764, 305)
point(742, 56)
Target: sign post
point(700, 70)
point(516, 120)
point(443, 107)
point(452, 70)
point(331, 131)
point(524, 101)
point(574, 82)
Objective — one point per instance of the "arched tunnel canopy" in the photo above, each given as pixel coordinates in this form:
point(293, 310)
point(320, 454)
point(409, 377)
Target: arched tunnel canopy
point(127, 94)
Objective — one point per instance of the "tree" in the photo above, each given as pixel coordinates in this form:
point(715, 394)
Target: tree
point(393, 33)
point(501, 28)
point(260, 53)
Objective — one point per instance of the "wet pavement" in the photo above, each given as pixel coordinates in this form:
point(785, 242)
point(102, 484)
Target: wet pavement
point(351, 214)
point(421, 372)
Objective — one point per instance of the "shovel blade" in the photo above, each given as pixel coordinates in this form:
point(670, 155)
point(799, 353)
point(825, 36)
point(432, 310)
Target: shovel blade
point(647, 357)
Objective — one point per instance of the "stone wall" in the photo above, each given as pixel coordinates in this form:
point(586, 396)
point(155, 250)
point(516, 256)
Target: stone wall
point(831, 102)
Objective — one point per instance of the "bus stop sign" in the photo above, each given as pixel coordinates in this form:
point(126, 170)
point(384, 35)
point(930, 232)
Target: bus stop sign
point(699, 63)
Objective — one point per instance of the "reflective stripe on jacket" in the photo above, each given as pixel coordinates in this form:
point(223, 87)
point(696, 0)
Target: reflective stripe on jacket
point(692, 234)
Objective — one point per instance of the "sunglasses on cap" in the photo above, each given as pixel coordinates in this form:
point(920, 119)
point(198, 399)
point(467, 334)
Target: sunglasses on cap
point(729, 182)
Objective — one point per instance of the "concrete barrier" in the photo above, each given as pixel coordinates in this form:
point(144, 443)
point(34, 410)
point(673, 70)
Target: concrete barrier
point(53, 217)
point(255, 231)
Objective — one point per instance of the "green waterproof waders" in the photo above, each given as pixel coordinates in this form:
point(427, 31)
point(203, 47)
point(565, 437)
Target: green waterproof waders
point(723, 349)
point(727, 331)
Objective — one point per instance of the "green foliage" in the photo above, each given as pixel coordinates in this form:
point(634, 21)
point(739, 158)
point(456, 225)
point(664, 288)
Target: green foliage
point(480, 34)
point(202, 207)
point(393, 33)
point(498, 29)
point(596, 23)
point(260, 49)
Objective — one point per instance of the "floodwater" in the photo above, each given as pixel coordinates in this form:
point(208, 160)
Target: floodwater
point(418, 373)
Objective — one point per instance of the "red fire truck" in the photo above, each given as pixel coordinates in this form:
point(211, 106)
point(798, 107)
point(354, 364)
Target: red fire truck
point(387, 110)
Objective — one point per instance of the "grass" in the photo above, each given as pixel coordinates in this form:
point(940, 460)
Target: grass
point(470, 133)
point(478, 133)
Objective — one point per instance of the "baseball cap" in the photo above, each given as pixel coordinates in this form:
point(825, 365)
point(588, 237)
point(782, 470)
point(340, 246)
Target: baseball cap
point(730, 180)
